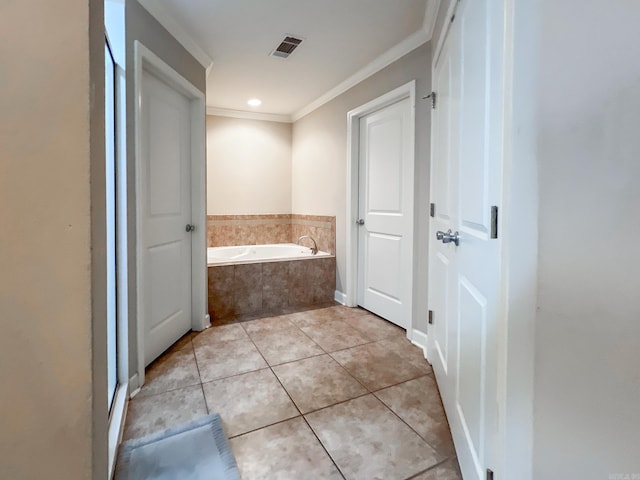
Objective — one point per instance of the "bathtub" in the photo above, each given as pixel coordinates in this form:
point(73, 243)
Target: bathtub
point(259, 279)
point(281, 252)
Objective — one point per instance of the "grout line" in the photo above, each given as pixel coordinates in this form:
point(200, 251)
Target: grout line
point(433, 467)
point(400, 383)
point(234, 375)
point(276, 376)
point(323, 447)
point(206, 404)
point(337, 403)
point(149, 395)
point(299, 359)
point(350, 374)
point(195, 358)
point(265, 426)
point(193, 351)
point(404, 421)
point(407, 424)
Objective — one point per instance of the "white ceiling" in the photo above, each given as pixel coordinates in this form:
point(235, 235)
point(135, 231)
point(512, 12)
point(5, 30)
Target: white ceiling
point(341, 39)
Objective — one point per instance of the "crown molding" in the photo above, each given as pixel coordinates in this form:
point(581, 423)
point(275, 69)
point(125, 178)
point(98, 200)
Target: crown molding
point(387, 58)
point(164, 18)
point(430, 16)
point(265, 117)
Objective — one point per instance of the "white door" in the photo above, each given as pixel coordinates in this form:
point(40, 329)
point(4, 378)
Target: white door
point(385, 203)
point(466, 185)
point(165, 210)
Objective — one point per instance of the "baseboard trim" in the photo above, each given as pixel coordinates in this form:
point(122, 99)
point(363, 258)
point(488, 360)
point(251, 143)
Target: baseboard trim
point(206, 323)
point(340, 297)
point(116, 425)
point(419, 339)
point(134, 385)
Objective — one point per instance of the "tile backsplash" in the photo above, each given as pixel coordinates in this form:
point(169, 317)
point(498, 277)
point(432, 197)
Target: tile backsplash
point(230, 230)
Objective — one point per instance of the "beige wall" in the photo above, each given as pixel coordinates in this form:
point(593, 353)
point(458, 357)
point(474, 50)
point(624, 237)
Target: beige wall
point(320, 164)
point(141, 26)
point(248, 166)
point(587, 358)
point(51, 283)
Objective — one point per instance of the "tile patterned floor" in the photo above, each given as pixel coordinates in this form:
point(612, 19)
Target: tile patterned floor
point(330, 393)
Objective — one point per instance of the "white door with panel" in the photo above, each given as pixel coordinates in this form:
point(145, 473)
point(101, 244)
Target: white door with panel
point(464, 258)
point(165, 210)
point(385, 204)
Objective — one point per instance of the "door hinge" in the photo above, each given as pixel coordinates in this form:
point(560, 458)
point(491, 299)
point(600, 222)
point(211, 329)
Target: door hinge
point(489, 474)
point(430, 317)
point(432, 96)
point(432, 210)
point(494, 222)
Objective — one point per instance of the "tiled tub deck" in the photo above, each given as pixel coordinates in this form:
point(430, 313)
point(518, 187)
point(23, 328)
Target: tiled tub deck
point(270, 287)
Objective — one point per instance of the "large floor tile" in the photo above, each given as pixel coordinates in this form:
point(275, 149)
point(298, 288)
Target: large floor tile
point(151, 414)
point(373, 327)
point(350, 311)
point(410, 352)
point(334, 335)
point(367, 441)
point(286, 451)
point(318, 316)
point(175, 369)
point(418, 403)
point(255, 328)
point(220, 334)
point(376, 366)
point(448, 470)
point(318, 382)
point(249, 401)
point(219, 360)
point(286, 346)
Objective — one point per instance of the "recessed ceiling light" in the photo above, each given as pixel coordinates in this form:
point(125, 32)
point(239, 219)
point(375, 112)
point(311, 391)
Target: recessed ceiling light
point(255, 102)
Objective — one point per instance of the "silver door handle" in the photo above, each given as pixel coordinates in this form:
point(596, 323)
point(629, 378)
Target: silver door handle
point(448, 237)
point(190, 228)
point(360, 222)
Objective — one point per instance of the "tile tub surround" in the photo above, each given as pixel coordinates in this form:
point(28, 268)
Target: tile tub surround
point(314, 414)
point(321, 228)
point(232, 230)
point(259, 288)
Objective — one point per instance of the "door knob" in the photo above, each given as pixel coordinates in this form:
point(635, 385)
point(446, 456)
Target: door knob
point(448, 237)
point(360, 222)
point(190, 228)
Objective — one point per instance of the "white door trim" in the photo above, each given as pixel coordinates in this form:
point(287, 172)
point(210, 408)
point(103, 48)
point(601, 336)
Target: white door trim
point(443, 33)
point(119, 406)
point(519, 255)
point(407, 90)
point(145, 59)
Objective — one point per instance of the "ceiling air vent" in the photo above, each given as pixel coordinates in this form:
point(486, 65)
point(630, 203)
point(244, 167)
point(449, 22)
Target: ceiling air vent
point(286, 48)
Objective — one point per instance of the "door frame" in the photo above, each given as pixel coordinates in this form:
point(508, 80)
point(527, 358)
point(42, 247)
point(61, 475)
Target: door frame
point(119, 405)
point(145, 59)
point(408, 90)
point(518, 256)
